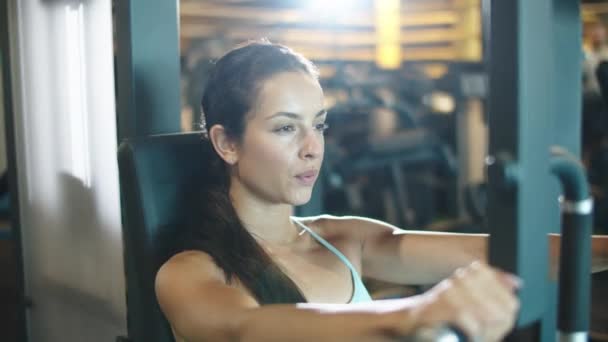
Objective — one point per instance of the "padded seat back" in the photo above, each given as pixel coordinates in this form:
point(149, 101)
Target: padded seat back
point(158, 175)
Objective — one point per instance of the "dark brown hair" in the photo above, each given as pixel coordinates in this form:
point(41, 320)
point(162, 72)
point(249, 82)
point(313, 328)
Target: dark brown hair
point(231, 92)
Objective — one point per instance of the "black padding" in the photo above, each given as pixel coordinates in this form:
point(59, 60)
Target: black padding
point(158, 176)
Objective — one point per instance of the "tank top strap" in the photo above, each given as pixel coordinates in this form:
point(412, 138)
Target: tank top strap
point(360, 293)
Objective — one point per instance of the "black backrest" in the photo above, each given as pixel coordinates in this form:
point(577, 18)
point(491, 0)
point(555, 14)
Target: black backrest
point(157, 177)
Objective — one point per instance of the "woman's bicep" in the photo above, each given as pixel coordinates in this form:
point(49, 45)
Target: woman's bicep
point(193, 295)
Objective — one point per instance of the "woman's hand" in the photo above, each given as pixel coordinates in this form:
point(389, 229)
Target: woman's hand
point(477, 299)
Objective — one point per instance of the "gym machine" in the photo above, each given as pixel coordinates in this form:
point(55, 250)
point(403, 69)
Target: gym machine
point(533, 49)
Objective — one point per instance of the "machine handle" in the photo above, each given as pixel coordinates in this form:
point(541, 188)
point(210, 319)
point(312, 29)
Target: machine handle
point(438, 333)
point(575, 249)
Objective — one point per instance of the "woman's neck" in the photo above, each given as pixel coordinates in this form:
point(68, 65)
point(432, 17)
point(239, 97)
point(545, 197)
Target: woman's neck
point(269, 222)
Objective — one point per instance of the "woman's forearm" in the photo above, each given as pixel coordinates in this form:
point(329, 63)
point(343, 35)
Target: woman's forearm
point(488, 315)
point(374, 321)
point(430, 257)
point(599, 253)
point(476, 247)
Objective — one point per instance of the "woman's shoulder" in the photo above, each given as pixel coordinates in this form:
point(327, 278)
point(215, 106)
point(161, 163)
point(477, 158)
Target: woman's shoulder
point(189, 263)
point(191, 282)
point(330, 224)
point(343, 221)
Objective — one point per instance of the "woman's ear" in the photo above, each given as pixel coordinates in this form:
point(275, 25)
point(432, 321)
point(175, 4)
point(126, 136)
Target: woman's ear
point(225, 147)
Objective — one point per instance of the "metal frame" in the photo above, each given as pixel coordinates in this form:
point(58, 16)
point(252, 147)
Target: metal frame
point(7, 83)
point(147, 67)
point(534, 103)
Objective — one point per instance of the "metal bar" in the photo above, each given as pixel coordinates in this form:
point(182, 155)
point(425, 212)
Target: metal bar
point(520, 210)
point(6, 84)
point(273, 16)
point(567, 57)
point(148, 67)
point(400, 194)
point(573, 337)
point(575, 256)
point(566, 119)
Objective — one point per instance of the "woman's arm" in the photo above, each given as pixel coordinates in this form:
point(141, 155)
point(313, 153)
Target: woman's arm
point(599, 253)
point(414, 257)
point(201, 307)
point(420, 257)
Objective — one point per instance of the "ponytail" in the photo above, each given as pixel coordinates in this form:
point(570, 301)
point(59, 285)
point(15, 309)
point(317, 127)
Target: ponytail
point(215, 228)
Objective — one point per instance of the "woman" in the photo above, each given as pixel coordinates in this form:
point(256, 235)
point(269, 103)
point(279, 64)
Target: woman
point(255, 273)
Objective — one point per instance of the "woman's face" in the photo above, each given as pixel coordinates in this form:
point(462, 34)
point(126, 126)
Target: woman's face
point(281, 152)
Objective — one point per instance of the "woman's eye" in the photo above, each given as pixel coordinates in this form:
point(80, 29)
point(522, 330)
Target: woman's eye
point(285, 129)
point(321, 127)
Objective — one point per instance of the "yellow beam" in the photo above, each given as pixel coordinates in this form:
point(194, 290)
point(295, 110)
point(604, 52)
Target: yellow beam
point(269, 16)
point(460, 39)
point(388, 33)
point(369, 54)
point(322, 37)
point(596, 8)
point(198, 30)
point(355, 52)
point(470, 48)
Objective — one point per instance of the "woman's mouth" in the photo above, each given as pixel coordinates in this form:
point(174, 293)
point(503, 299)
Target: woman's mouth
point(307, 178)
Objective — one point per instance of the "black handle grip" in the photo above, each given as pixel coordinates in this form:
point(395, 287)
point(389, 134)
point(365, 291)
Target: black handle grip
point(575, 273)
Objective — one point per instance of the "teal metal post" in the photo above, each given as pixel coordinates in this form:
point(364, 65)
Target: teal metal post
point(567, 85)
point(148, 90)
point(6, 83)
point(567, 99)
point(534, 53)
point(523, 205)
point(147, 67)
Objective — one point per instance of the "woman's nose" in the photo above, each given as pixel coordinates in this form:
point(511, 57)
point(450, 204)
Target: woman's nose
point(312, 145)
